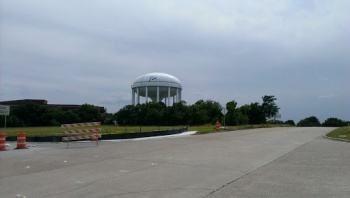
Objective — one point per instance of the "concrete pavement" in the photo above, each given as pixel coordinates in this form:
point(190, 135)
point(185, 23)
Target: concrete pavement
point(273, 162)
point(319, 168)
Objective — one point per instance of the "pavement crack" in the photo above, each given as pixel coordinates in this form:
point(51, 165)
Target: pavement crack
point(248, 173)
point(154, 190)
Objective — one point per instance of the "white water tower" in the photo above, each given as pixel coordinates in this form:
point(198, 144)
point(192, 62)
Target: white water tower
point(157, 87)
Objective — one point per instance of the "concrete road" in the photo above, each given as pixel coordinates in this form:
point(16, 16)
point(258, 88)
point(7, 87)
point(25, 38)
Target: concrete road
point(274, 162)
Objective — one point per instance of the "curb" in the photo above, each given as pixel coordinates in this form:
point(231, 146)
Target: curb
point(105, 136)
point(336, 139)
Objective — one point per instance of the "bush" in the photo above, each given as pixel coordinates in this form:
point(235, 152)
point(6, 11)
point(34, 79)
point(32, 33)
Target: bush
point(334, 122)
point(290, 122)
point(309, 122)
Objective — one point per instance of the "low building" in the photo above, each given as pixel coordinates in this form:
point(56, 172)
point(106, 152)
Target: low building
point(15, 103)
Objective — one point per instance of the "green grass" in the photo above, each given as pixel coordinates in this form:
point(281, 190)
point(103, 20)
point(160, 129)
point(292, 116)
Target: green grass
point(211, 128)
point(340, 133)
point(110, 129)
point(106, 129)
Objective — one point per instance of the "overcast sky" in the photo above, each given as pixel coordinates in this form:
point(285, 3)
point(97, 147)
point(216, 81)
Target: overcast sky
point(84, 51)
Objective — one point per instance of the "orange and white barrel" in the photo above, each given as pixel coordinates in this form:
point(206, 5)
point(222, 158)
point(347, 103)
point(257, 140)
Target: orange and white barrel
point(2, 142)
point(217, 126)
point(21, 140)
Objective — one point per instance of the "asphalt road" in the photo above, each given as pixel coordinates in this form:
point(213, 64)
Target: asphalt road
point(273, 162)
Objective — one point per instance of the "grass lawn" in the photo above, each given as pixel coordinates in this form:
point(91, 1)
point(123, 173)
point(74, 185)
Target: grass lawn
point(340, 133)
point(211, 128)
point(111, 129)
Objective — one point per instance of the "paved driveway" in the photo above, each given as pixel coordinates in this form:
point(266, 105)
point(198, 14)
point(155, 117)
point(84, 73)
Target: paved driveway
point(274, 162)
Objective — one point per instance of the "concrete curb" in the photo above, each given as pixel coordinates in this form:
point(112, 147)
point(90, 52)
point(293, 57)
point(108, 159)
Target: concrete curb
point(336, 139)
point(105, 136)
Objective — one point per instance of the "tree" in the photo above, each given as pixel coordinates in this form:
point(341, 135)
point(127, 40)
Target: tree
point(30, 114)
point(213, 109)
point(70, 117)
point(309, 122)
point(269, 107)
point(152, 113)
point(108, 118)
point(53, 117)
point(290, 122)
point(180, 113)
point(242, 115)
point(155, 113)
point(256, 114)
point(198, 114)
point(334, 122)
point(204, 112)
point(11, 121)
point(123, 115)
point(231, 116)
point(89, 113)
point(201, 112)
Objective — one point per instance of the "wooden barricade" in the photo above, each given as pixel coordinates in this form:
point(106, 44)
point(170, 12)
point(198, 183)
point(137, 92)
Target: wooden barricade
point(81, 134)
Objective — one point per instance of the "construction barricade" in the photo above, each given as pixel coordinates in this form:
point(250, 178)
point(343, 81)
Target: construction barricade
point(217, 126)
point(21, 140)
point(81, 134)
point(2, 142)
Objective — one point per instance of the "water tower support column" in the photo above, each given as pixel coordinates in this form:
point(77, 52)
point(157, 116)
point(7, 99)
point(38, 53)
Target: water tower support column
point(180, 95)
point(133, 96)
point(177, 95)
point(168, 96)
point(157, 93)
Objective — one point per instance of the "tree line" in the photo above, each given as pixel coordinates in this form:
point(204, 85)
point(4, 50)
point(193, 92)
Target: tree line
point(201, 112)
point(31, 114)
point(313, 121)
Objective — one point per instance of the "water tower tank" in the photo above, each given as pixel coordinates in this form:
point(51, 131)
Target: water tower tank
point(157, 87)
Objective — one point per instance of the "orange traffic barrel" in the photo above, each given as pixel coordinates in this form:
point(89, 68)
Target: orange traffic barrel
point(217, 126)
point(21, 140)
point(2, 142)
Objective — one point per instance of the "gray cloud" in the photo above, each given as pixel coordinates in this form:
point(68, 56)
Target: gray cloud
point(90, 52)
